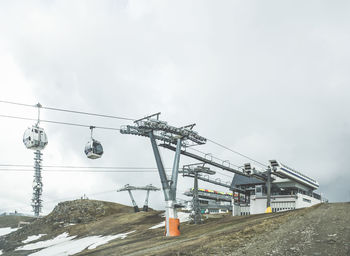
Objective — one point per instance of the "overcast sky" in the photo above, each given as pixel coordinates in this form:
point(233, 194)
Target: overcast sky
point(269, 79)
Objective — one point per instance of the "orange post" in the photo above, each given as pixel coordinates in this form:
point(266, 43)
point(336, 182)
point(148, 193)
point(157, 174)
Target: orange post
point(174, 227)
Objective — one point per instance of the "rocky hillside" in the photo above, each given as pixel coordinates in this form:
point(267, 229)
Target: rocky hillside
point(87, 227)
point(80, 218)
point(83, 211)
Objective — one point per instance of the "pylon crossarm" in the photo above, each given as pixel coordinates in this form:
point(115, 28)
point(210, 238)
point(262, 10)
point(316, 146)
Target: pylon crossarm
point(148, 187)
point(163, 131)
point(134, 130)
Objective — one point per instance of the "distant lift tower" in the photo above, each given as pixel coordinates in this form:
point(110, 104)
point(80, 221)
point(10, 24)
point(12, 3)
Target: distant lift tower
point(195, 170)
point(148, 188)
point(155, 129)
point(35, 138)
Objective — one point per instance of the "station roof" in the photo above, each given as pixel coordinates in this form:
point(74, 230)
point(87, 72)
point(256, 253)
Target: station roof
point(239, 180)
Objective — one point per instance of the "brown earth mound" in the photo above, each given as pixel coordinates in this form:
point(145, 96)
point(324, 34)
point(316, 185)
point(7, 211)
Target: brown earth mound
point(84, 211)
point(81, 217)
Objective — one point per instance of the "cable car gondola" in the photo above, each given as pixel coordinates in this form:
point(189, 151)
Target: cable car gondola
point(35, 138)
point(93, 149)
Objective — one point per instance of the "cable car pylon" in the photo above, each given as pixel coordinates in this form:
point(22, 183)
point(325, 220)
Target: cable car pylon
point(148, 188)
point(195, 170)
point(35, 138)
point(156, 129)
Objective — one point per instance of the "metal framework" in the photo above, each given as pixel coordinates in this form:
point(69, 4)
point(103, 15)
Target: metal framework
point(206, 178)
point(37, 184)
point(34, 138)
point(210, 194)
point(148, 188)
point(225, 165)
point(195, 170)
point(164, 132)
point(247, 171)
point(156, 129)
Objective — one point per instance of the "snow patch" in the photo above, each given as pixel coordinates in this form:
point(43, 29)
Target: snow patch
point(106, 239)
point(43, 244)
point(0, 252)
point(70, 224)
point(32, 238)
point(162, 224)
point(183, 217)
point(63, 245)
point(5, 231)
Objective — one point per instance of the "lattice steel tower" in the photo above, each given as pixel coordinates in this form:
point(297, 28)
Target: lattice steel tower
point(35, 138)
point(37, 184)
point(194, 171)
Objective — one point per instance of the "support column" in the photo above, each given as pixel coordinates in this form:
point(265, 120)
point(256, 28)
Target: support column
point(268, 203)
point(175, 171)
point(197, 211)
point(145, 205)
point(160, 167)
point(136, 208)
point(171, 221)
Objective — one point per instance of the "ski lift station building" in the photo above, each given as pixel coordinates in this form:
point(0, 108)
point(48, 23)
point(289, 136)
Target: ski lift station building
point(290, 190)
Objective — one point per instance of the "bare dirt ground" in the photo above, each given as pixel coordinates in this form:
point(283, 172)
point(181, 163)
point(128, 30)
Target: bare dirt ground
point(319, 230)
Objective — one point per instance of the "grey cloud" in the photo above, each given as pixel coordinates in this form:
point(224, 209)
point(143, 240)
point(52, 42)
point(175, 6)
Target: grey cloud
point(269, 79)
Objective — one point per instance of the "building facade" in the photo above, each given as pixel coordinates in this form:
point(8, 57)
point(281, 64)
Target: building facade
point(289, 190)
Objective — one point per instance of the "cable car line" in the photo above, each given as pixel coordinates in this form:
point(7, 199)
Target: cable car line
point(117, 129)
point(83, 167)
point(17, 103)
point(85, 171)
point(212, 156)
point(87, 113)
point(236, 152)
point(107, 128)
point(68, 110)
point(108, 116)
point(100, 169)
point(108, 169)
point(58, 122)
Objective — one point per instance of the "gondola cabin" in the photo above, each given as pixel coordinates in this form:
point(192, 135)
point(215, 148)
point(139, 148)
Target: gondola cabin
point(35, 138)
point(93, 149)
